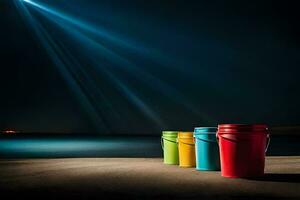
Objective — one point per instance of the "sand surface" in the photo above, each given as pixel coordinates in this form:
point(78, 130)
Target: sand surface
point(141, 178)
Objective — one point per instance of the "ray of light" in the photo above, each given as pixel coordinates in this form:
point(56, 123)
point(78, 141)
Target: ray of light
point(66, 63)
point(124, 63)
point(122, 87)
point(108, 35)
point(56, 55)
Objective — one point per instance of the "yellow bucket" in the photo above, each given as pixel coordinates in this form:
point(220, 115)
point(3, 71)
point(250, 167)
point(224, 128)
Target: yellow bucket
point(186, 148)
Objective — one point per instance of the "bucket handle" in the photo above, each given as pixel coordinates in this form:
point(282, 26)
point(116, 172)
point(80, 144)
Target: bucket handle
point(267, 146)
point(192, 144)
point(268, 143)
point(162, 143)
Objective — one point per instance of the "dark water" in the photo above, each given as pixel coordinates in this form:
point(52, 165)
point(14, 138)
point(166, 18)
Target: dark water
point(79, 146)
point(68, 146)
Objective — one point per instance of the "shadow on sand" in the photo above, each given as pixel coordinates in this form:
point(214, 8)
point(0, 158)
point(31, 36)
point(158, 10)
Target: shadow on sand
point(279, 177)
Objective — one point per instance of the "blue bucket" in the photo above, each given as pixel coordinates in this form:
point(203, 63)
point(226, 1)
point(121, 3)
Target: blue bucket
point(207, 149)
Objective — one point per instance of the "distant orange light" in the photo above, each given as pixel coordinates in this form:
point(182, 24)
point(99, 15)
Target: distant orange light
point(9, 131)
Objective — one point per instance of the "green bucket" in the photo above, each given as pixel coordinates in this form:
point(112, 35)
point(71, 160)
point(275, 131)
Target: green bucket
point(170, 148)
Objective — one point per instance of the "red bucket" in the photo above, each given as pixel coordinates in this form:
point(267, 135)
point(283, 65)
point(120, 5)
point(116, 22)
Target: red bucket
point(242, 149)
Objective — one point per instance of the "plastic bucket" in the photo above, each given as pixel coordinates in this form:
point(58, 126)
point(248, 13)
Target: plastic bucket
point(186, 148)
point(242, 149)
point(169, 146)
point(207, 149)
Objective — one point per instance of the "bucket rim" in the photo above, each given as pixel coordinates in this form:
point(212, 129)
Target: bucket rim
point(240, 128)
point(200, 127)
point(170, 133)
point(185, 134)
point(205, 130)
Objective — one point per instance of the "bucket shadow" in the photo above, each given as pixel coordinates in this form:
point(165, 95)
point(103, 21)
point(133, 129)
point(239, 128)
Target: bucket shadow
point(279, 177)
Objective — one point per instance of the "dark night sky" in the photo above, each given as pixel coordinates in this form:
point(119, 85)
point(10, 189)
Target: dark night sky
point(236, 61)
